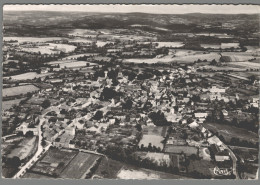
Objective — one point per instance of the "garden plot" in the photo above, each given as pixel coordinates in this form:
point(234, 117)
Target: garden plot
point(54, 162)
point(79, 165)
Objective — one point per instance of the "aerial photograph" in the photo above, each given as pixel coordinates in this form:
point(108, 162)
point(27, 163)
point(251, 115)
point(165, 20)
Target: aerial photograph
point(130, 91)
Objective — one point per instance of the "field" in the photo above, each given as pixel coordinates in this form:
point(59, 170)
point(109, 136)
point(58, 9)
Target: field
point(8, 104)
point(82, 32)
point(195, 57)
point(31, 39)
point(244, 65)
point(62, 163)
point(245, 153)
point(253, 49)
point(180, 56)
point(24, 149)
point(228, 132)
point(136, 174)
point(30, 175)
point(201, 166)
point(79, 165)
point(213, 46)
point(79, 55)
point(28, 76)
point(130, 172)
point(14, 91)
point(108, 168)
point(71, 63)
point(111, 169)
point(153, 135)
point(222, 68)
point(50, 49)
point(238, 56)
point(169, 44)
point(229, 45)
point(54, 162)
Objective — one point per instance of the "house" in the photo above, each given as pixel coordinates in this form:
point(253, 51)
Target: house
point(24, 128)
point(194, 124)
point(214, 140)
point(201, 117)
point(222, 155)
point(217, 90)
point(225, 113)
point(70, 131)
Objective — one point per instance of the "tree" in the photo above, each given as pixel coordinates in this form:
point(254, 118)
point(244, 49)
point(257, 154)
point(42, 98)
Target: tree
point(14, 161)
point(150, 147)
point(138, 127)
point(252, 79)
point(46, 103)
point(29, 134)
point(158, 118)
point(98, 115)
point(43, 142)
point(107, 94)
point(128, 104)
point(193, 157)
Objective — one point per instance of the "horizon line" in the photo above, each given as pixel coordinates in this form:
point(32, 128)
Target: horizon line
point(130, 12)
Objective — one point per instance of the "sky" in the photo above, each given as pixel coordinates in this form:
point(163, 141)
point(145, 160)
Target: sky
point(157, 9)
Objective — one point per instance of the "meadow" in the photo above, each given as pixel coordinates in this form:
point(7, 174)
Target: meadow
point(28, 76)
point(25, 148)
point(18, 90)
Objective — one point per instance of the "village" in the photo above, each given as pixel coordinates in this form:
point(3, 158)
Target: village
point(123, 101)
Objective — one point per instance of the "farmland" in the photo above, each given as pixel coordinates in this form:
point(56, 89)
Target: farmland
point(130, 95)
point(111, 169)
point(54, 162)
point(153, 135)
point(71, 63)
point(50, 48)
point(195, 57)
point(130, 172)
point(28, 76)
point(76, 56)
point(24, 149)
point(32, 39)
point(180, 57)
point(238, 57)
point(14, 91)
point(79, 166)
point(250, 65)
point(20, 147)
point(136, 174)
point(201, 166)
point(222, 68)
point(8, 104)
point(228, 132)
point(169, 44)
point(62, 163)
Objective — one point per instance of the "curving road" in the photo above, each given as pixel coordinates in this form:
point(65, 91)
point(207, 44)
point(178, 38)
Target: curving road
point(36, 156)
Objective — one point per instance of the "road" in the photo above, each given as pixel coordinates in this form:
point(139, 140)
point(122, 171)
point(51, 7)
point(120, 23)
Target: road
point(36, 156)
point(234, 159)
